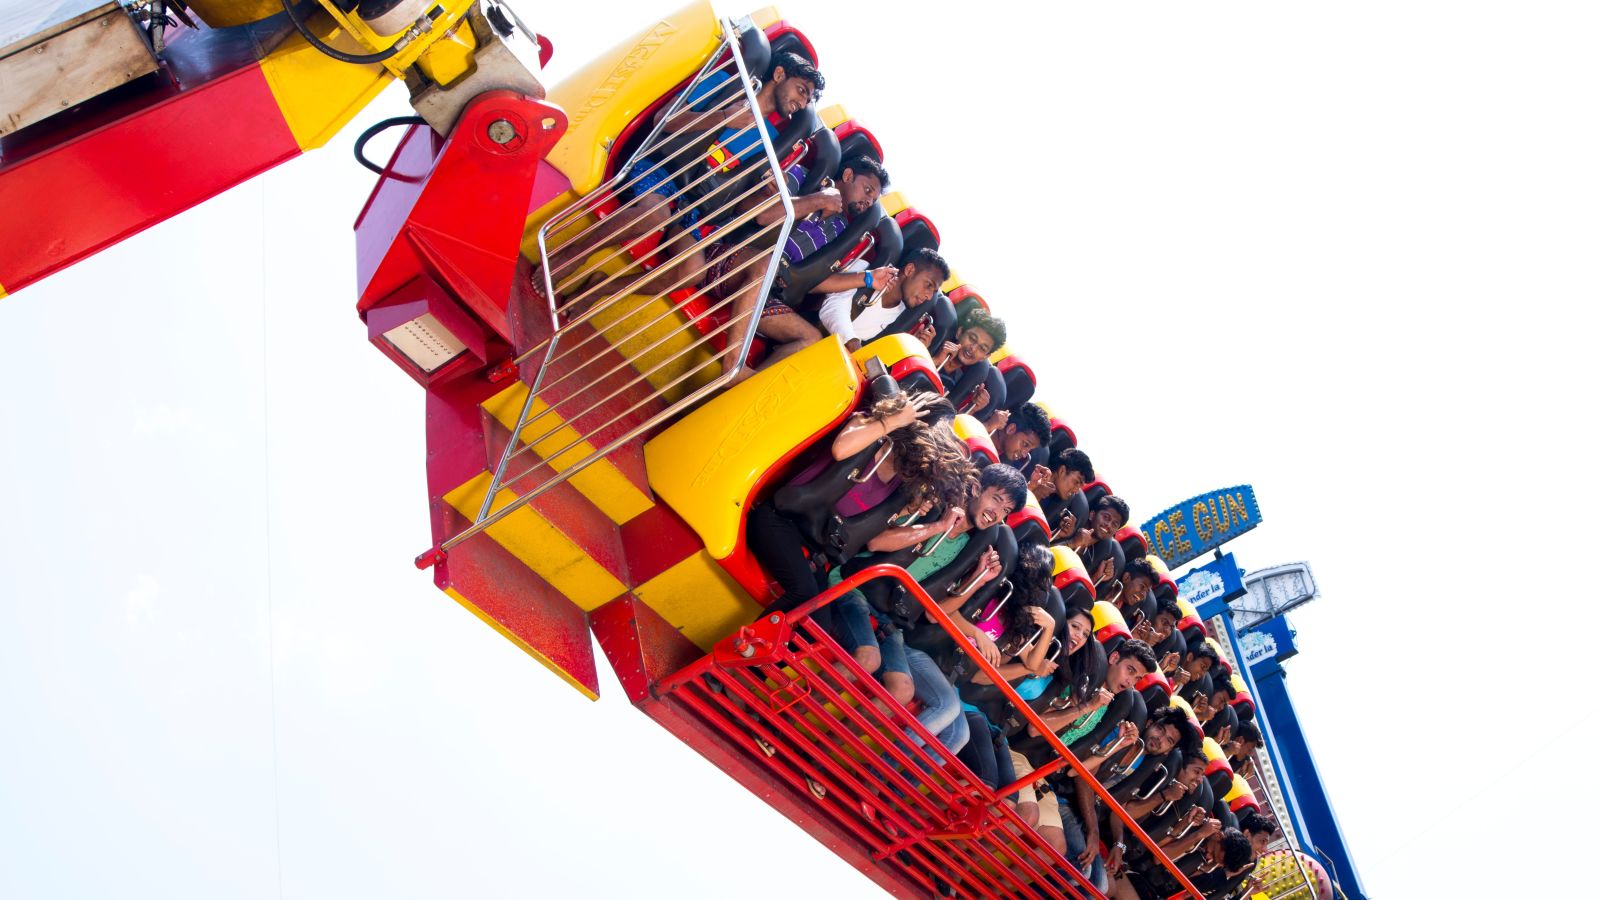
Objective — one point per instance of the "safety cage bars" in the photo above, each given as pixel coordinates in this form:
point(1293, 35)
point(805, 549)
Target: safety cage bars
point(598, 299)
point(788, 694)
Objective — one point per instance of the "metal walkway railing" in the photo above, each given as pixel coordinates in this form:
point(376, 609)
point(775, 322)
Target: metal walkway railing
point(790, 695)
point(607, 307)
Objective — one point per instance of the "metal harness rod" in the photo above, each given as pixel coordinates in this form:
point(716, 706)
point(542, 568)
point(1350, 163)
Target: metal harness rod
point(725, 209)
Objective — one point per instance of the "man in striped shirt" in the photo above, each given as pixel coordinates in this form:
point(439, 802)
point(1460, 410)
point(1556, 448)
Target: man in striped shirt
point(731, 271)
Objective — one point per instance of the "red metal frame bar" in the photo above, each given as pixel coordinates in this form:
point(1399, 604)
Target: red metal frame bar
point(944, 827)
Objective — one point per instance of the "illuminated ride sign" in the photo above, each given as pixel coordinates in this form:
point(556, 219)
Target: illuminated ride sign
point(1202, 523)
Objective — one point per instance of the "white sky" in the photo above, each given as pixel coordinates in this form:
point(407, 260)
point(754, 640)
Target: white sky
point(1344, 253)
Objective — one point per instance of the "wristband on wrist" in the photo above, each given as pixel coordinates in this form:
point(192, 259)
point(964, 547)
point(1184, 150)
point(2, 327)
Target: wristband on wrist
point(866, 279)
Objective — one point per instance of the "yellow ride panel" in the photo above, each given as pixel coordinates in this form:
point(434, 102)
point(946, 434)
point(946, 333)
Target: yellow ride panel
point(602, 482)
point(541, 547)
point(615, 87)
point(526, 647)
point(700, 599)
point(707, 465)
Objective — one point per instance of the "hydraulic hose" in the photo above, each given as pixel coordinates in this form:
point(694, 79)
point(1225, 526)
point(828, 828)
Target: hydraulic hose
point(361, 59)
point(370, 133)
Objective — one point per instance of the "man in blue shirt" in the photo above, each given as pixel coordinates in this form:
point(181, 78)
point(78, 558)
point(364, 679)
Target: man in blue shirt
point(791, 85)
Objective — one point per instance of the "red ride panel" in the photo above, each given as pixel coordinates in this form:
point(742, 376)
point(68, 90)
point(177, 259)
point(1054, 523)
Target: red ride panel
point(135, 157)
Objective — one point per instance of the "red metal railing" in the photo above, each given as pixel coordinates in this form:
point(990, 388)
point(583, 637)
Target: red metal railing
point(784, 689)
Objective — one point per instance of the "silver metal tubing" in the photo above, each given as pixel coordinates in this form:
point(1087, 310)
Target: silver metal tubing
point(572, 212)
point(505, 457)
point(625, 363)
point(627, 291)
point(1038, 632)
point(637, 378)
point(593, 267)
point(924, 551)
point(1002, 604)
point(617, 297)
point(1055, 650)
point(1159, 784)
point(623, 249)
point(750, 320)
point(584, 463)
point(671, 384)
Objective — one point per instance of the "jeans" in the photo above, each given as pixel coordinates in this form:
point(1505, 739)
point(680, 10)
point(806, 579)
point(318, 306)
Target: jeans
point(852, 628)
point(941, 705)
point(987, 754)
point(1077, 843)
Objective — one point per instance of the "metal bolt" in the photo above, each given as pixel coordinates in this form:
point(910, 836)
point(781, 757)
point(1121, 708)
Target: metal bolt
point(549, 124)
point(501, 131)
point(747, 651)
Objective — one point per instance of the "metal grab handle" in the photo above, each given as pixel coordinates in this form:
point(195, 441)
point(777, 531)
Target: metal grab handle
point(1002, 604)
point(1116, 591)
point(1038, 630)
point(924, 551)
point(1159, 784)
point(888, 448)
point(1055, 650)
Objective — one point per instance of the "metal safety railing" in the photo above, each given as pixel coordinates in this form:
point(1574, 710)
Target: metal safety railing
point(785, 691)
point(599, 299)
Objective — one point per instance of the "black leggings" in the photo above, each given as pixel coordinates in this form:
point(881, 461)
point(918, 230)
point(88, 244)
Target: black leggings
point(777, 544)
point(987, 754)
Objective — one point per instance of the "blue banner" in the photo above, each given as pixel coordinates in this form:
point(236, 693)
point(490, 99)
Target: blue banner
point(1202, 523)
point(1269, 641)
point(1211, 586)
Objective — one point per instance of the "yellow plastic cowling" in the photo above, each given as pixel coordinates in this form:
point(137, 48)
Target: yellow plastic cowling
point(1106, 616)
point(834, 116)
point(615, 87)
point(1211, 749)
point(1159, 564)
point(1066, 559)
point(708, 465)
point(1187, 609)
point(892, 349)
point(954, 283)
point(1239, 686)
point(766, 17)
point(1239, 789)
point(1183, 704)
point(893, 203)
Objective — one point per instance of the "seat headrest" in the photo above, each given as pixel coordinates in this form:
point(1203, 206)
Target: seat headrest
point(855, 140)
point(786, 38)
point(1191, 617)
point(1061, 437)
point(966, 297)
point(972, 433)
point(1134, 545)
point(918, 230)
point(887, 242)
point(1108, 622)
point(1020, 381)
point(1155, 680)
point(1030, 518)
point(917, 374)
point(756, 49)
point(1094, 490)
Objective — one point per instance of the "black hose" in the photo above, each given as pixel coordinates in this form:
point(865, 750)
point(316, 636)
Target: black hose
point(361, 59)
point(370, 133)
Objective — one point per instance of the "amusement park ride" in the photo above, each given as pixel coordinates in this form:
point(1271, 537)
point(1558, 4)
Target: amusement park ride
point(591, 460)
